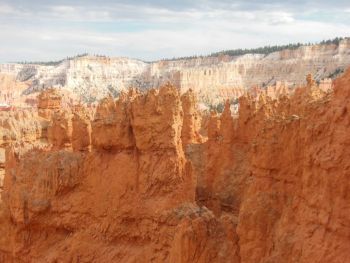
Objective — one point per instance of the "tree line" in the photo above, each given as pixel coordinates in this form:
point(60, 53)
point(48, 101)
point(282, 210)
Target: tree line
point(234, 52)
point(262, 50)
point(53, 62)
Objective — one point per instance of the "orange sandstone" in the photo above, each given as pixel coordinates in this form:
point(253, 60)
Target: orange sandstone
point(139, 184)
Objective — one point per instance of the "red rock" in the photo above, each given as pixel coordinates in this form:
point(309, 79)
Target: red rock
point(60, 130)
point(192, 119)
point(269, 186)
point(49, 102)
point(81, 130)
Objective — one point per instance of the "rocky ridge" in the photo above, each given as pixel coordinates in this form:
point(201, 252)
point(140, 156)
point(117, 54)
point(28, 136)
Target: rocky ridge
point(213, 79)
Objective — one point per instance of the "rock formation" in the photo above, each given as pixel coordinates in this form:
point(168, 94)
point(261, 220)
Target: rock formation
point(60, 130)
point(138, 182)
point(81, 130)
point(21, 130)
point(192, 119)
point(49, 102)
point(213, 79)
point(25, 129)
point(284, 176)
point(130, 201)
point(11, 90)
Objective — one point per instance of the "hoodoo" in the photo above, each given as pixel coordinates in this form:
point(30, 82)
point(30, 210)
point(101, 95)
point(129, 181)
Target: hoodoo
point(140, 180)
point(207, 131)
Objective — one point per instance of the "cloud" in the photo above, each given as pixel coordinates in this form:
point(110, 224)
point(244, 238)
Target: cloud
point(44, 30)
point(75, 13)
point(281, 18)
point(6, 9)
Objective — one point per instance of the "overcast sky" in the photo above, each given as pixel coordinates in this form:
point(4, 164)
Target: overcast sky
point(150, 30)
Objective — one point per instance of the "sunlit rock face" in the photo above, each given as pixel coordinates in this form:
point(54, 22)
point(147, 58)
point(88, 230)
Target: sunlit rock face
point(49, 102)
point(276, 167)
point(132, 201)
point(138, 181)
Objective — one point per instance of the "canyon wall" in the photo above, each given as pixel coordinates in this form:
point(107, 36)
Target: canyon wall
point(25, 129)
point(11, 91)
point(130, 197)
point(281, 169)
point(140, 181)
point(213, 79)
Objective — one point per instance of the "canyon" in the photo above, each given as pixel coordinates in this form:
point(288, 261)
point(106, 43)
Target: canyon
point(150, 177)
point(213, 78)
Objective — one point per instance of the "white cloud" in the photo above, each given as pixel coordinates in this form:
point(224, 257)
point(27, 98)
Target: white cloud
point(63, 9)
point(75, 13)
point(281, 18)
point(49, 32)
point(6, 9)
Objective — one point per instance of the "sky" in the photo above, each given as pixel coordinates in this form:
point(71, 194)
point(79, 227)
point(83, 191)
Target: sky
point(45, 30)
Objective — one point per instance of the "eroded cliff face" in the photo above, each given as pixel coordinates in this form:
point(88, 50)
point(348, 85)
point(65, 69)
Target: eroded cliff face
point(139, 182)
point(131, 198)
point(20, 132)
point(213, 79)
point(22, 129)
point(284, 172)
point(11, 90)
